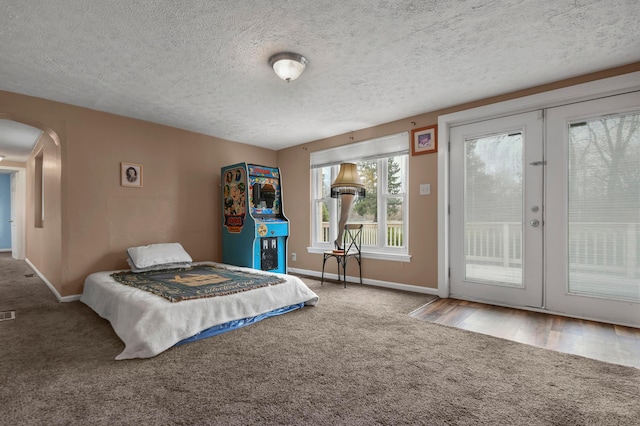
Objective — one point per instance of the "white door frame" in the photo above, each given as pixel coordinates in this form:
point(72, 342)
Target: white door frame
point(18, 209)
point(529, 291)
point(605, 87)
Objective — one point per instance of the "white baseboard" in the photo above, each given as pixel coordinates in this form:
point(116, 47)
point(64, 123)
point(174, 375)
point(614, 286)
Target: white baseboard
point(376, 283)
point(51, 287)
point(5, 250)
point(71, 298)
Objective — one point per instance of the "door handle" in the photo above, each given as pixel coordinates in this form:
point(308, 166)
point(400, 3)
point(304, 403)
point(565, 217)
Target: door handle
point(9, 220)
point(535, 223)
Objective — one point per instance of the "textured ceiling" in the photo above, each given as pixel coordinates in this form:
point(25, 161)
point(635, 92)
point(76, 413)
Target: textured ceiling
point(203, 65)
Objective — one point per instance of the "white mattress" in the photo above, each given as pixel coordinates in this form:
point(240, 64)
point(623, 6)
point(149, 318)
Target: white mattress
point(149, 324)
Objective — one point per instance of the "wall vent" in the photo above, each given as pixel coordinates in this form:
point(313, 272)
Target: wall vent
point(7, 315)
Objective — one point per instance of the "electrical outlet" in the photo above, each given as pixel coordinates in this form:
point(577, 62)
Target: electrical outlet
point(293, 257)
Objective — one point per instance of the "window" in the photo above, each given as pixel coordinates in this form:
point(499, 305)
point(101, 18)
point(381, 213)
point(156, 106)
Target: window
point(383, 169)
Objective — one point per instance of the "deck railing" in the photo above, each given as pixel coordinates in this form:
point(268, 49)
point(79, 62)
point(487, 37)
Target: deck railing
point(612, 248)
point(370, 234)
point(596, 247)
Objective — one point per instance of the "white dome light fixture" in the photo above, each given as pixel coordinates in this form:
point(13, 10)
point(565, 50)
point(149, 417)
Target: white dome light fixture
point(287, 65)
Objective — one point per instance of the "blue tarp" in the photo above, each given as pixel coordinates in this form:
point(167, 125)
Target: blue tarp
point(233, 325)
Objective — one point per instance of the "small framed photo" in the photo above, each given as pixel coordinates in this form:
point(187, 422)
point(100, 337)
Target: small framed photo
point(424, 140)
point(131, 175)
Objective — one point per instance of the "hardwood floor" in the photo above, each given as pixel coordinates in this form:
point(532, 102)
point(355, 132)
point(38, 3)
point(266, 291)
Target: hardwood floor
point(604, 342)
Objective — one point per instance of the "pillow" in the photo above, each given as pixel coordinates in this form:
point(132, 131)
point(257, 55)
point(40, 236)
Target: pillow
point(158, 254)
point(158, 267)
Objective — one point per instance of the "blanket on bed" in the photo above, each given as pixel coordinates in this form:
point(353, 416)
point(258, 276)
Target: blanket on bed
point(195, 282)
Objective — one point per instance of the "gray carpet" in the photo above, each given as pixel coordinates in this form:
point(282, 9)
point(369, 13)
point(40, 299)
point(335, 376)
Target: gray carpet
point(357, 359)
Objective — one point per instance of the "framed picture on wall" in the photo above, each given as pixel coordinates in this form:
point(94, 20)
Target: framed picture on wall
point(424, 140)
point(131, 175)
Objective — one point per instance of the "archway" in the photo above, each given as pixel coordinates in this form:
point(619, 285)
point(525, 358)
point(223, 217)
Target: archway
point(38, 192)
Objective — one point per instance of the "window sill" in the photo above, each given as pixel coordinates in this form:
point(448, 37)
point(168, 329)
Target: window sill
point(368, 254)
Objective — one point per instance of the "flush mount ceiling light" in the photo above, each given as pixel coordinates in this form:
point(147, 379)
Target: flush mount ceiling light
point(288, 66)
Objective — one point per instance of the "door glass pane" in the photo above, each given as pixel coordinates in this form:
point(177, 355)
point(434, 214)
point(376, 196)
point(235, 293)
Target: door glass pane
point(604, 207)
point(493, 209)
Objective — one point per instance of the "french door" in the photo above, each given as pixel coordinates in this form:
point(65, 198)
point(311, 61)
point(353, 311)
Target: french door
point(545, 213)
point(593, 209)
point(496, 210)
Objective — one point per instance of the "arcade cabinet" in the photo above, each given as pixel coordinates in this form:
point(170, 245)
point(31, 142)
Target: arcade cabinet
point(254, 227)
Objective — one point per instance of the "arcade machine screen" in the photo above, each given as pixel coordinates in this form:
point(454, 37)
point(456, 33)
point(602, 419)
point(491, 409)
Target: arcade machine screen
point(265, 193)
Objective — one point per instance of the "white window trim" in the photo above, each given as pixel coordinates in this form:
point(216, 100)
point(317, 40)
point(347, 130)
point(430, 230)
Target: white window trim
point(386, 145)
point(577, 93)
point(367, 253)
point(384, 198)
point(333, 211)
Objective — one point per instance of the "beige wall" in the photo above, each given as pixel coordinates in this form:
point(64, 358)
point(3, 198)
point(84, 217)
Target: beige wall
point(179, 201)
point(423, 226)
point(43, 244)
